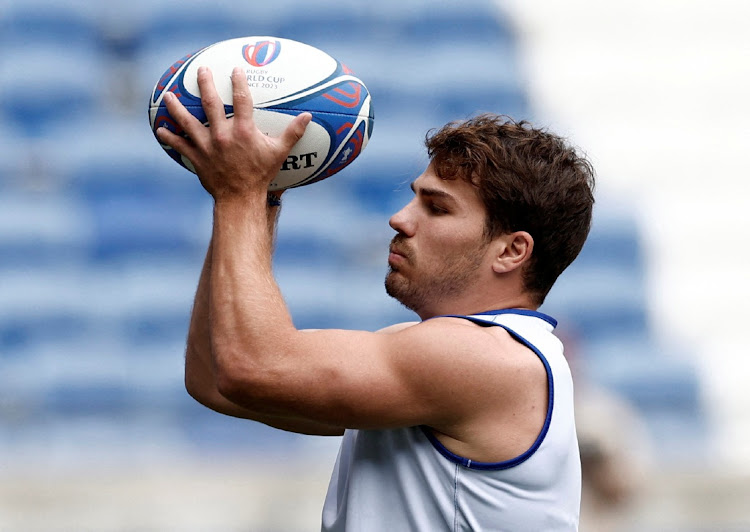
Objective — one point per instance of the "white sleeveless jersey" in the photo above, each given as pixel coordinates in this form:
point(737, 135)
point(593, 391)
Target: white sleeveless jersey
point(405, 480)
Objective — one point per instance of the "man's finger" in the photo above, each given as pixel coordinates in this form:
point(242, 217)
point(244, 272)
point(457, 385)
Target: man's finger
point(191, 125)
point(182, 145)
point(241, 96)
point(295, 130)
point(213, 106)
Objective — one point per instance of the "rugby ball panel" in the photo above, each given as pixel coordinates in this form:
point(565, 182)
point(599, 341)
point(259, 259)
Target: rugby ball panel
point(311, 149)
point(283, 73)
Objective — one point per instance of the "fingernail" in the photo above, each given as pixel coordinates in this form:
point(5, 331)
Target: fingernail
point(168, 96)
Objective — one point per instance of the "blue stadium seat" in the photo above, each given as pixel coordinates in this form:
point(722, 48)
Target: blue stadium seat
point(165, 33)
point(657, 383)
point(106, 139)
point(398, 10)
point(434, 107)
point(38, 229)
point(135, 229)
point(306, 236)
point(152, 62)
point(384, 186)
point(102, 399)
point(341, 29)
point(481, 24)
point(460, 67)
point(207, 432)
point(504, 100)
point(16, 158)
point(121, 177)
point(603, 293)
point(50, 24)
point(20, 331)
point(104, 323)
point(44, 87)
point(194, 25)
point(600, 302)
point(662, 383)
point(340, 297)
point(615, 240)
point(138, 200)
point(155, 327)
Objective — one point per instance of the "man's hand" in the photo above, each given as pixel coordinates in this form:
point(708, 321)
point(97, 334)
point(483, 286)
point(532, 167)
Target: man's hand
point(232, 157)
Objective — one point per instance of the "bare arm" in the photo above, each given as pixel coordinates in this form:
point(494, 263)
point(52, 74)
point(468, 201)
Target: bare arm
point(199, 372)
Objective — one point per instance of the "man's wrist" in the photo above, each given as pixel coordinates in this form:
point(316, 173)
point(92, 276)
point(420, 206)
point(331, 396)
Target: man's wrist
point(254, 201)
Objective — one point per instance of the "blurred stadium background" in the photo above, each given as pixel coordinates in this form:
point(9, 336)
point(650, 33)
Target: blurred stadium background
point(102, 238)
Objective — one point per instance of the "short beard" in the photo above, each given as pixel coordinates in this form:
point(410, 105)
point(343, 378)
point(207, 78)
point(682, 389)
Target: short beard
point(451, 281)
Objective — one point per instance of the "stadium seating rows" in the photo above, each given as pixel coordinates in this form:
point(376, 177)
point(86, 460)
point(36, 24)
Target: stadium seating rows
point(102, 236)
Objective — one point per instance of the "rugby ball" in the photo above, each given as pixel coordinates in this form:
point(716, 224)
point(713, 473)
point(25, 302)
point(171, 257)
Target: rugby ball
point(286, 78)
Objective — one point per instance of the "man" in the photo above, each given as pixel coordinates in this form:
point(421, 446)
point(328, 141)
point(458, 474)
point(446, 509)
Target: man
point(462, 421)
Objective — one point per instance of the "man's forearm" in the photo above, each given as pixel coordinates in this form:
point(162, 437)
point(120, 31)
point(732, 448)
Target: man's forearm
point(248, 317)
point(199, 372)
point(198, 365)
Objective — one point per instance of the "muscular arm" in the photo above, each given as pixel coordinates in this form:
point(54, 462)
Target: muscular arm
point(199, 374)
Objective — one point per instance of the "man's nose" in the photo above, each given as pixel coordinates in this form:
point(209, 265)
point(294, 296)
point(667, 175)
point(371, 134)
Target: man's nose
point(402, 222)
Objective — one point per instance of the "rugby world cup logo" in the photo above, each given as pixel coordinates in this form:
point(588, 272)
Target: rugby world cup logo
point(261, 53)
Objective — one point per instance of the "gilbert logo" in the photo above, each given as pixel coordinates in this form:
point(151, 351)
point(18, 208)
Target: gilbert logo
point(261, 53)
point(297, 162)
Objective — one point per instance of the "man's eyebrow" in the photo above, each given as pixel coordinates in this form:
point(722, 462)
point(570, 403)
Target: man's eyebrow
point(432, 192)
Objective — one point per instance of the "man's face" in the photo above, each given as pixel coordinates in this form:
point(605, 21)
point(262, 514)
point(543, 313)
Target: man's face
point(440, 244)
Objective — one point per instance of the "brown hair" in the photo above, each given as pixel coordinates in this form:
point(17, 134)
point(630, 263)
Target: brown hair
point(529, 180)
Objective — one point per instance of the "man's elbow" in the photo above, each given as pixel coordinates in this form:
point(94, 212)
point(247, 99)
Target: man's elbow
point(233, 386)
point(248, 386)
point(204, 391)
point(233, 381)
point(192, 387)
point(199, 380)
point(197, 388)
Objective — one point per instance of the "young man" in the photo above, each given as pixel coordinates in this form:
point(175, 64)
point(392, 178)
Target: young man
point(462, 421)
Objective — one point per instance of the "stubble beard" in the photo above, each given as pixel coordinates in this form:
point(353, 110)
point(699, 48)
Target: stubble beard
point(424, 290)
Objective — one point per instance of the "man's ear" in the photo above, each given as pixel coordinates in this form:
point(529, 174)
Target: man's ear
point(511, 251)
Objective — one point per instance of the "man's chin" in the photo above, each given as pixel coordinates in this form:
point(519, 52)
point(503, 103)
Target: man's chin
point(397, 287)
point(394, 284)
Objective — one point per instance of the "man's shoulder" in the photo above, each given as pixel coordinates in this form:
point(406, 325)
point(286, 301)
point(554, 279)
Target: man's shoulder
point(455, 333)
point(439, 324)
point(396, 327)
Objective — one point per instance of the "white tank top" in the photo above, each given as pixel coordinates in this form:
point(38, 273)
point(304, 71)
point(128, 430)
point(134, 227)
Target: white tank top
point(405, 480)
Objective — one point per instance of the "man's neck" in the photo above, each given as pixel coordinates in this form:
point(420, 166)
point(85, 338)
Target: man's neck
point(469, 307)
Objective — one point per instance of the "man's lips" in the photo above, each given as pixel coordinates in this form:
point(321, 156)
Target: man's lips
point(396, 256)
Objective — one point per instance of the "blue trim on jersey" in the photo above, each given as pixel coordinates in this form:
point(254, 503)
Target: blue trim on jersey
point(523, 312)
point(506, 464)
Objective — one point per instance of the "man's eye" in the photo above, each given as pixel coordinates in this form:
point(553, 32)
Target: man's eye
point(435, 209)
